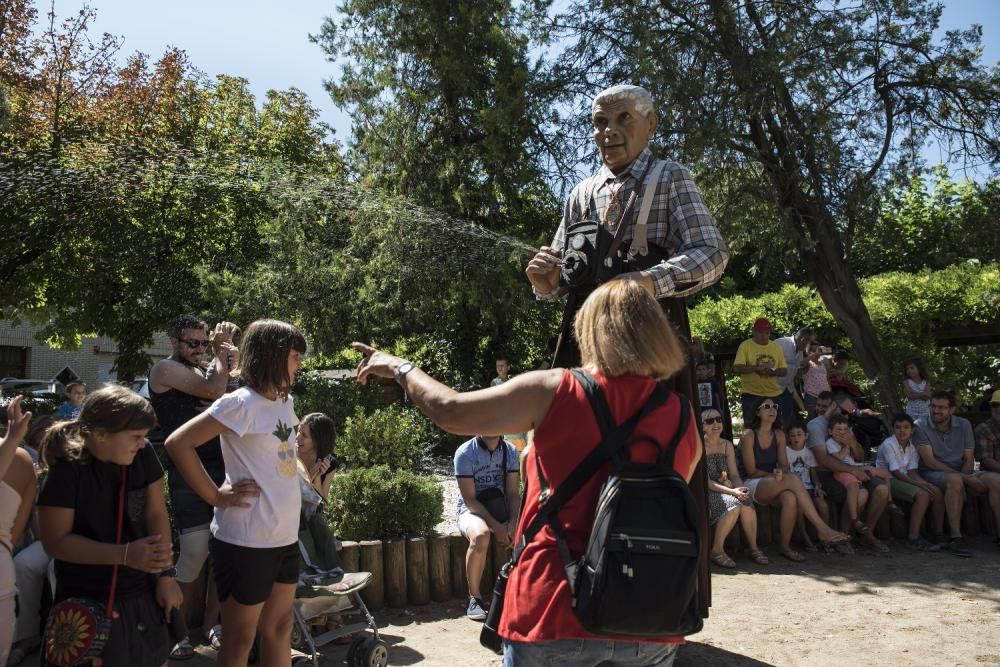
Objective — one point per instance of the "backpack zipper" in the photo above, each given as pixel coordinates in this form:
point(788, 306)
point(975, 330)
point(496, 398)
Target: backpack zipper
point(628, 539)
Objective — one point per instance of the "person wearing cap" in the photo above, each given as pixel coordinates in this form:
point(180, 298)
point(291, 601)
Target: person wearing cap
point(987, 438)
point(759, 363)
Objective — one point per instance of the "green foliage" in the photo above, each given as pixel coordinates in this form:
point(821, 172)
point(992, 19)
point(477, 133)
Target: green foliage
point(393, 435)
point(383, 502)
point(907, 310)
point(336, 398)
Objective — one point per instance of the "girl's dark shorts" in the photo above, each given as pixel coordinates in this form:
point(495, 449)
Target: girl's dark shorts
point(139, 636)
point(247, 574)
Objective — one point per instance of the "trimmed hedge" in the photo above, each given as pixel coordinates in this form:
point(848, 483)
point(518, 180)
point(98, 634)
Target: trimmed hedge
point(382, 502)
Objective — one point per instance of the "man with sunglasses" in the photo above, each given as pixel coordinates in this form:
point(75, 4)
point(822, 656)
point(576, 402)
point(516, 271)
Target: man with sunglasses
point(179, 388)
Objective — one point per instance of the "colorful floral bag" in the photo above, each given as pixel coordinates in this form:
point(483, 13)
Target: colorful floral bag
point(78, 628)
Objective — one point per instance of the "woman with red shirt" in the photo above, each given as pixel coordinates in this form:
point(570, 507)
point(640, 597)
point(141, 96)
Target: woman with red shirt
point(627, 344)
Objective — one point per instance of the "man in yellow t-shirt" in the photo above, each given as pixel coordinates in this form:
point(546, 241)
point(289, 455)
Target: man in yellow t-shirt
point(759, 363)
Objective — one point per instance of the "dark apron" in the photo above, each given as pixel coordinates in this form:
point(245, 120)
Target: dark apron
point(567, 355)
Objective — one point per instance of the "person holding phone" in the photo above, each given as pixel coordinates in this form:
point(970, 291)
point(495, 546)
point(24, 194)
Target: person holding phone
point(314, 447)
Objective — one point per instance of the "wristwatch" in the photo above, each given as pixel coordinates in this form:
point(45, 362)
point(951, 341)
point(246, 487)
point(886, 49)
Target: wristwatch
point(169, 572)
point(403, 369)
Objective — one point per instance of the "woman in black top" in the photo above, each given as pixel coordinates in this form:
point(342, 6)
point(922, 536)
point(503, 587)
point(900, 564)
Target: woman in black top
point(762, 450)
point(88, 459)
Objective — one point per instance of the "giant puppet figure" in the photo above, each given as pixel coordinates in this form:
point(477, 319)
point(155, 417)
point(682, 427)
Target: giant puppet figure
point(638, 218)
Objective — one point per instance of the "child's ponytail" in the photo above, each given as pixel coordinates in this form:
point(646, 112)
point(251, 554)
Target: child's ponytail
point(62, 441)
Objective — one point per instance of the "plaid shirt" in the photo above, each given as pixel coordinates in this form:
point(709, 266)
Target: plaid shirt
point(678, 221)
point(988, 440)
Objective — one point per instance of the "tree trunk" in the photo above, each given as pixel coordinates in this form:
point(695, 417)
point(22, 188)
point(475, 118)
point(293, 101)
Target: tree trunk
point(786, 152)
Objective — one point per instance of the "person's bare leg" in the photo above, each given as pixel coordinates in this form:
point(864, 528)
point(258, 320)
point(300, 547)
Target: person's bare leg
point(748, 519)
point(851, 504)
point(789, 512)
point(475, 556)
point(724, 526)
point(992, 481)
point(954, 491)
point(275, 626)
point(937, 510)
point(878, 499)
point(920, 502)
point(239, 628)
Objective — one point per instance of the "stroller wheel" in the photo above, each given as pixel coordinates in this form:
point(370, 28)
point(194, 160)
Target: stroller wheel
point(356, 651)
point(297, 639)
point(376, 653)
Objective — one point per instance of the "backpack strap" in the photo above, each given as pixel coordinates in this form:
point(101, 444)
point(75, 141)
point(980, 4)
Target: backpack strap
point(611, 442)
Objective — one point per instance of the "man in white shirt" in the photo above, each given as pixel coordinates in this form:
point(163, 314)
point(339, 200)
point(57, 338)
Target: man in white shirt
point(794, 348)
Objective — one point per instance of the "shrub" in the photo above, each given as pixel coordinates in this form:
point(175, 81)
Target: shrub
point(383, 502)
point(335, 398)
point(395, 436)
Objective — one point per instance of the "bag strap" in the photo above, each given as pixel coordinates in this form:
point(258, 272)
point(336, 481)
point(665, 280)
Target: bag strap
point(118, 538)
point(667, 456)
point(611, 441)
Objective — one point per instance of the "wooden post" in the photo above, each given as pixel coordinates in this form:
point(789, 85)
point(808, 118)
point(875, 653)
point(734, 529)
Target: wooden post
point(459, 580)
point(371, 561)
point(350, 556)
point(439, 567)
point(418, 589)
point(394, 556)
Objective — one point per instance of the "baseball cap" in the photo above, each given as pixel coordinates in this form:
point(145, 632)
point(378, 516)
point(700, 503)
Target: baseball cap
point(761, 324)
point(996, 398)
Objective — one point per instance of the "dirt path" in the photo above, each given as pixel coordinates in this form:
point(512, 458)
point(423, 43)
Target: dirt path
point(908, 608)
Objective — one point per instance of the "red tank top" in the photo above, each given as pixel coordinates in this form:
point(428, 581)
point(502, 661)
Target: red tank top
point(537, 603)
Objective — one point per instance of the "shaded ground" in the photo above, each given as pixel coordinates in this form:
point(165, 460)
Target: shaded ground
point(907, 608)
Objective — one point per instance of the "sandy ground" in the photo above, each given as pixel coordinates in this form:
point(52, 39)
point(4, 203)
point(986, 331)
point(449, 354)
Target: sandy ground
point(903, 609)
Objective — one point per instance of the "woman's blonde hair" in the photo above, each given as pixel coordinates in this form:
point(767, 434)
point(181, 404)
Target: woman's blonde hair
point(621, 330)
point(113, 409)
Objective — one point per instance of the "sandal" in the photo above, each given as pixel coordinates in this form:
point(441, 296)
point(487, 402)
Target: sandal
point(182, 650)
point(861, 529)
point(214, 637)
point(793, 555)
point(759, 557)
point(722, 560)
point(810, 548)
point(878, 546)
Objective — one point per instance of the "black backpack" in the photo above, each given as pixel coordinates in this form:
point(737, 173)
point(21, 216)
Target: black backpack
point(639, 574)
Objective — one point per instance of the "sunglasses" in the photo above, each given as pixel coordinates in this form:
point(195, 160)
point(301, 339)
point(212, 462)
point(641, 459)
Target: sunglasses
point(195, 344)
point(769, 406)
point(712, 420)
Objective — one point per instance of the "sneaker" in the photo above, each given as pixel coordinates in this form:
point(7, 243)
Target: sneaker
point(920, 544)
point(942, 540)
point(959, 548)
point(477, 610)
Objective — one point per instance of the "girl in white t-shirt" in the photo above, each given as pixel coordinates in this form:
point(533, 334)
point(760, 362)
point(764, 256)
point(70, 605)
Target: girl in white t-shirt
point(255, 529)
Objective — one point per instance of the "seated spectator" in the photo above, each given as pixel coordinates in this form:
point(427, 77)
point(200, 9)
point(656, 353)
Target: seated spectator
point(802, 463)
point(843, 447)
point(89, 459)
point(17, 492)
point(762, 448)
point(947, 460)
point(898, 455)
point(818, 430)
point(486, 468)
point(916, 388)
point(75, 393)
point(314, 447)
point(728, 498)
point(987, 437)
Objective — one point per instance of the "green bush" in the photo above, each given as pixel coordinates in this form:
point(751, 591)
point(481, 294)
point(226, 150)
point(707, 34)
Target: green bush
point(383, 502)
point(335, 398)
point(393, 435)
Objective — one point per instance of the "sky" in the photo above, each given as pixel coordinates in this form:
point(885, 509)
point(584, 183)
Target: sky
point(267, 42)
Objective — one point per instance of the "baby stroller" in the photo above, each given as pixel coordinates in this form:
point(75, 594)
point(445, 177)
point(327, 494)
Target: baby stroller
point(325, 591)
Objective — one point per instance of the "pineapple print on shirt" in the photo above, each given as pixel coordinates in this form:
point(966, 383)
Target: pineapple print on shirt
point(286, 453)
